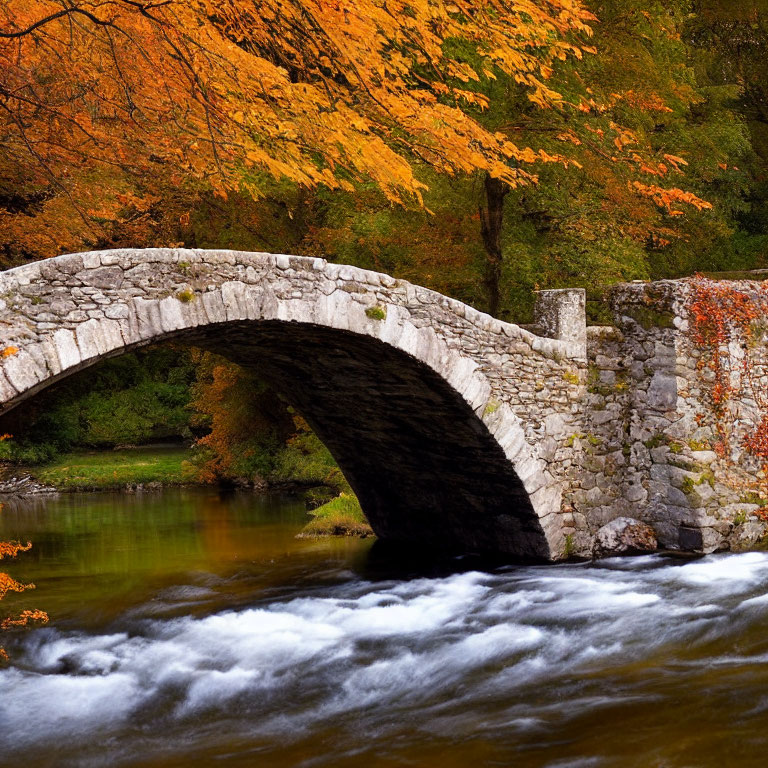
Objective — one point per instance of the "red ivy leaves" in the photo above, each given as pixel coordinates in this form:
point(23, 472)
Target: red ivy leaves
point(719, 312)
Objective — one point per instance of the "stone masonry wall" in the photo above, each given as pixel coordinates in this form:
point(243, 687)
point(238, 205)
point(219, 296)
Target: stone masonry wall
point(651, 427)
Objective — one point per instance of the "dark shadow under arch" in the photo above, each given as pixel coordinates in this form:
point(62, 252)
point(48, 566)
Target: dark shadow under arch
point(423, 464)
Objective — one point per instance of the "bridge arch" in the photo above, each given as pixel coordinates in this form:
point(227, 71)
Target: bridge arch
point(403, 385)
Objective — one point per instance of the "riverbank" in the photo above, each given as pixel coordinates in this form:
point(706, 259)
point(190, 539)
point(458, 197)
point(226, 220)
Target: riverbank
point(125, 469)
point(162, 466)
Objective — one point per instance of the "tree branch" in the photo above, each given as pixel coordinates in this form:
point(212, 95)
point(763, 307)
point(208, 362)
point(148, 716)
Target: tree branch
point(53, 17)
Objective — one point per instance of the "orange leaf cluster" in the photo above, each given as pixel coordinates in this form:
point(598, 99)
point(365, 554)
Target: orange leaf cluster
point(12, 548)
point(25, 618)
point(9, 352)
point(668, 199)
point(9, 584)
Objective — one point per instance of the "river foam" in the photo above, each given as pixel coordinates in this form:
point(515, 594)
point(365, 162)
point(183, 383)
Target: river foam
point(459, 655)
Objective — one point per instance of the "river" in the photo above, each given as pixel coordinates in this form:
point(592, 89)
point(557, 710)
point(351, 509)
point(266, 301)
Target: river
point(193, 629)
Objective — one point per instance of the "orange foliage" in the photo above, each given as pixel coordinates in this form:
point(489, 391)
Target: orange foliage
point(242, 414)
point(9, 584)
point(12, 548)
point(24, 618)
point(95, 94)
point(667, 198)
point(9, 352)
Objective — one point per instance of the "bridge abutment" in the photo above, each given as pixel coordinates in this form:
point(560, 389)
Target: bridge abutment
point(659, 446)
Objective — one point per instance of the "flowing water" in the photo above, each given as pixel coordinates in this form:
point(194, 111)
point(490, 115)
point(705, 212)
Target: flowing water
point(190, 629)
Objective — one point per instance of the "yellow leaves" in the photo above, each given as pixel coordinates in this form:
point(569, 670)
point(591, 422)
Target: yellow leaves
point(9, 352)
point(545, 157)
point(569, 137)
point(623, 138)
point(8, 584)
point(648, 102)
point(675, 161)
point(667, 198)
point(25, 618)
point(527, 155)
point(337, 98)
point(462, 71)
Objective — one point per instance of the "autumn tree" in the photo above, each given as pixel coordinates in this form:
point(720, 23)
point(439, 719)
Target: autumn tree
point(245, 422)
point(731, 40)
point(654, 181)
point(656, 186)
point(97, 94)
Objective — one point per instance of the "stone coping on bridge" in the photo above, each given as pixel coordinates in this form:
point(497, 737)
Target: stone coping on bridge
point(73, 264)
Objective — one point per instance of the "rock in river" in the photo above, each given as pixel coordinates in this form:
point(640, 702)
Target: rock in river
point(624, 535)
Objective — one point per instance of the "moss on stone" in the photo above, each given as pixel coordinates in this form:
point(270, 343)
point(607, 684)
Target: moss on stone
point(185, 296)
point(569, 443)
point(649, 318)
point(656, 441)
point(376, 313)
point(688, 486)
point(753, 497)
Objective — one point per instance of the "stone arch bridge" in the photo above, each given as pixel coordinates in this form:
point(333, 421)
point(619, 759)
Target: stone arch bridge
point(452, 427)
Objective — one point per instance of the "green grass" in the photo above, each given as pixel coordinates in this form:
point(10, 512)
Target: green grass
point(341, 516)
point(102, 470)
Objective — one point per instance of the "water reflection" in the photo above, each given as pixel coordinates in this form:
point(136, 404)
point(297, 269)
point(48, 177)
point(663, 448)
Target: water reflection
point(95, 555)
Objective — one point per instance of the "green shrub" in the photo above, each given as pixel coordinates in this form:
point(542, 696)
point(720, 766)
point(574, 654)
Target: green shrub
point(341, 516)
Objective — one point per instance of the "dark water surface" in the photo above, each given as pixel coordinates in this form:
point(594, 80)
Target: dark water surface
point(195, 630)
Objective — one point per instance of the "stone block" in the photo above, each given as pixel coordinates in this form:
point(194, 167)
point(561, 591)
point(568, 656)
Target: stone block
point(23, 371)
point(561, 314)
point(66, 348)
point(662, 391)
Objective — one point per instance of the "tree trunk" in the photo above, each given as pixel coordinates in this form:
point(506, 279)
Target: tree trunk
point(491, 221)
